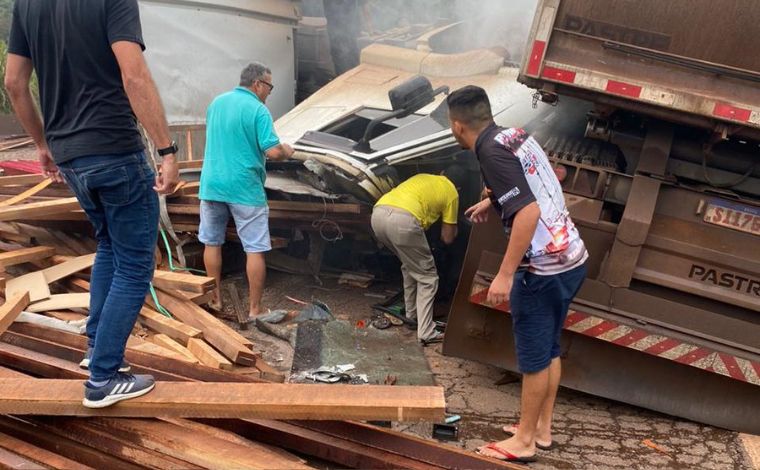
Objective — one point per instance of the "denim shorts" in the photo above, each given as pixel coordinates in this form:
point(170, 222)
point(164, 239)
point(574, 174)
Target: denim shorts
point(539, 306)
point(252, 223)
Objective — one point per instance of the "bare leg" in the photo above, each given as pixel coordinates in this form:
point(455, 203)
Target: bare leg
point(535, 388)
point(544, 429)
point(212, 258)
point(256, 269)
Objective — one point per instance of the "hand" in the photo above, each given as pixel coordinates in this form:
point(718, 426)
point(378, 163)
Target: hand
point(500, 288)
point(168, 176)
point(288, 150)
point(49, 169)
point(479, 212)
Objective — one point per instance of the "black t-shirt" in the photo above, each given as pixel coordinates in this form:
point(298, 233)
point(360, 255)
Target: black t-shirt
point(518, 172)
point(503, 173)
point(85, 108)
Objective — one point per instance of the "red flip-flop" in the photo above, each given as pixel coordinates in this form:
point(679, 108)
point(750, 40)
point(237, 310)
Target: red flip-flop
point(544, 447)
point(508, 456)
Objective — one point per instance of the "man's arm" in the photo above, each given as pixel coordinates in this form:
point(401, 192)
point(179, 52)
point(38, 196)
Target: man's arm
point(280, 152)
point(18, 72)
point(146, 104)
point(523, 228)
point(448, 233)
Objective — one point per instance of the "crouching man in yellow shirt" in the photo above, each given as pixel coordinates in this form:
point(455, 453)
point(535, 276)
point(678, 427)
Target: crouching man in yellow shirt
point(400, 219)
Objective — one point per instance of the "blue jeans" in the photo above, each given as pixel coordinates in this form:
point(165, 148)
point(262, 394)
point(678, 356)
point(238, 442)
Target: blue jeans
point(116, 192)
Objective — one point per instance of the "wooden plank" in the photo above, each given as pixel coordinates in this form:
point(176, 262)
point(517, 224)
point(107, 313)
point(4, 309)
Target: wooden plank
point(201, 299)
point(161, 368)
point(39, 455)
point(40, 209)
point(65, 447)
point(12, 460)
point(69, 267)
point(233, 400)
point(220, 338)
point(91, 433)
point(208, 319)
point(269, 373)
point(200, 448)
point(241, 311)
point(170, 327)
point(168, 343)
point(61, 302)
point(139, 344)
point(29, 192)
point(208, 355)
point(25, 255)
point(6, 373)
point(12, 308)
point(170, 281)
point(345, 453)
point(34, 283)
point(21, 180)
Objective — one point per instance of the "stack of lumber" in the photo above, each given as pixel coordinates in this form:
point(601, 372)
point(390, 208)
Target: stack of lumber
point(34, 198)
point(185, 331)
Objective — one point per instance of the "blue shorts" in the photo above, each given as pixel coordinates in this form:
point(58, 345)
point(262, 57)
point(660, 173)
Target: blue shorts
point(252, 223)
point(539, 307)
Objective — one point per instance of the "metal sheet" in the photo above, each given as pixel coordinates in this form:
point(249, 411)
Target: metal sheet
point(291, 185)
point(196, 50)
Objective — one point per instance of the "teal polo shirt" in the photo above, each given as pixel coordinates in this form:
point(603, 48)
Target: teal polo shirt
point(239, 131)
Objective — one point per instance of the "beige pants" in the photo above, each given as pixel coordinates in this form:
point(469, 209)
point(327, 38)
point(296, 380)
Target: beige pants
point(401, 232)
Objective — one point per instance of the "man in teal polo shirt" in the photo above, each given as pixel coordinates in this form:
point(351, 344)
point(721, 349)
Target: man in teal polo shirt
point(239, 138)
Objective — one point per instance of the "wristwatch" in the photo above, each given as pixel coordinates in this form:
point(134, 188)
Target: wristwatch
point(168, 150)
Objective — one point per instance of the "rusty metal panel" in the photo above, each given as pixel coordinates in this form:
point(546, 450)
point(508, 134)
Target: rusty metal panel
point(718, 32)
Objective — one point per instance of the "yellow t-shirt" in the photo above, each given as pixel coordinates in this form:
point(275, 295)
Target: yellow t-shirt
point(427, 197)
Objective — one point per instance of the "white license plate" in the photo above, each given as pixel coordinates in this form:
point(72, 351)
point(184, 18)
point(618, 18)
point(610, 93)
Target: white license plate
point(745, 219)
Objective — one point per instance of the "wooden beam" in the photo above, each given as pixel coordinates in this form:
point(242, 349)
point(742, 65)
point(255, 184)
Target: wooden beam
point(34, 283)
point(69, 267)
point(233, 400)
point(12, 460)
point(37, 454)
point(199, 447)
point(12, 308)
point(161, 368)
point(91, 433)
point(25, 255)
point(65, 447)
point(172, 328)
point(168, 343)
point(61, 302)
point(221, 337)
point(138, 344)
point(208, 319)
point(24, 195)
point(39, 209)
point(21, 180)
point(208, 355)
point(170, 281)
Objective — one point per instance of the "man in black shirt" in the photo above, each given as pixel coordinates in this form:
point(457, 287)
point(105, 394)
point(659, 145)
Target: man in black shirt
point(93, 82)
point(543, 267)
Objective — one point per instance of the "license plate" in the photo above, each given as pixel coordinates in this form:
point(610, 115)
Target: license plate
point(734, 216)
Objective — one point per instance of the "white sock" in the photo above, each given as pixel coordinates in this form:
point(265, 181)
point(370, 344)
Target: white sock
point(99, 383)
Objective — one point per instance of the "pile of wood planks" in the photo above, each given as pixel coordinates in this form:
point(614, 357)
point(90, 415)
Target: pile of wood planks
point(205, 369)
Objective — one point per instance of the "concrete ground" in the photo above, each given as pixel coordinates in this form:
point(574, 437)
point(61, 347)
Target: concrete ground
point(593, 433)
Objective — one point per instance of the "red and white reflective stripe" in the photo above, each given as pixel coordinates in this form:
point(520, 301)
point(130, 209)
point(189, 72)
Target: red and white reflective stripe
point(649, 93)
point(542, 38)
point(641, 340)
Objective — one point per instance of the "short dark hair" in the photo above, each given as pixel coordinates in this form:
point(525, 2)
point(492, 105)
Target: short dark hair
point(471, 106)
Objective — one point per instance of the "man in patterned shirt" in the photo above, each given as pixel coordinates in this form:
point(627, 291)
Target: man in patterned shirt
point(543, 267)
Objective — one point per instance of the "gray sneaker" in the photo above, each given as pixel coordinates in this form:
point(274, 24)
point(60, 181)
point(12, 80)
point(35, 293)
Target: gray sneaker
point(120, 387)
point(85, 363)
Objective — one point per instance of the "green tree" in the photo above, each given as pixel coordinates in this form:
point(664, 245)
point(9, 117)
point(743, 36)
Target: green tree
point(5, 102)
point(6, 7)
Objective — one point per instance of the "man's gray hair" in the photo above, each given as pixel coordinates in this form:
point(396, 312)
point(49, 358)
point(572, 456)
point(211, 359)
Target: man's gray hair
point(252, 72)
